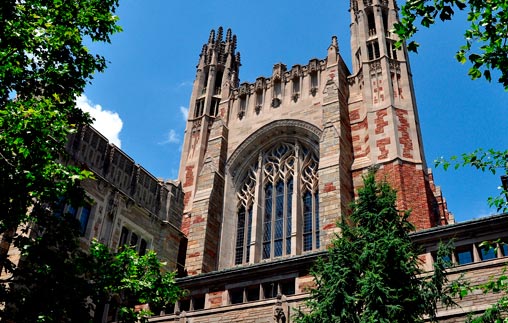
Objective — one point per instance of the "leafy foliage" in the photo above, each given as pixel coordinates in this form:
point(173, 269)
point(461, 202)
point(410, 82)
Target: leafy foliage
point(486, 39)
point(130, 280)
point(59, 282)
point(371, 273)
point(49, 285)
point(491, 160)
point(497, 312)
point(44, 66)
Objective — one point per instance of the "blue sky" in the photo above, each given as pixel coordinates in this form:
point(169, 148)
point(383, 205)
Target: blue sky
point(145, 91)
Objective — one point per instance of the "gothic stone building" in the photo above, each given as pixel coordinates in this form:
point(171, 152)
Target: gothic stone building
point(269, 167)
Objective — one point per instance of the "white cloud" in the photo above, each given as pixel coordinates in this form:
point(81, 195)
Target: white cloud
point(184, 84)
point(172, 138)
point(185, 113)
point(106, 122)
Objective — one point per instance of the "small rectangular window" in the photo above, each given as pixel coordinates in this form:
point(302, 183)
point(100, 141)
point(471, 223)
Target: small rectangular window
point(142, 247)
point(184, 305)
point(83, 218)
point(376, 49)
point(134, 240)
point(269, 290)
point(487, 252)
point(170, 309)
point(464, 256)
point(252, 293)
point(72, 211)
point(287, 287)
point(236, 296)
point(371, 22)
point(123, 237)
point(198, 302)
point(199, 107)
point(214, 111)
point(504, 248)
point(447, 259)
point(370, 50)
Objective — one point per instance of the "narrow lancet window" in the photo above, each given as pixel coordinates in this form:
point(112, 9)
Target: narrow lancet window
point(281, 169)
point(267, 223)
point(240, 230)
point(289, 217)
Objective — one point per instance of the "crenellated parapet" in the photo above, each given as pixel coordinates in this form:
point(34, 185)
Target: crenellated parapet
point(162, 199)
point(283, 86)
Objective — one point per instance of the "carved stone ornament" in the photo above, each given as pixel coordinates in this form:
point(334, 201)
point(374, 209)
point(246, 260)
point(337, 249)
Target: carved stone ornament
point(101, 186)
point(375, 66)
point(244, 90)
point(113, 203)
point(278, 311)
point(313, 65)
point(257, 108)
point(295, 97)
point(295, 72)
point(259, 84)
point(276, 102)
point(196, 125)
point(313, 90)
point(241, 114)
point(395, 67)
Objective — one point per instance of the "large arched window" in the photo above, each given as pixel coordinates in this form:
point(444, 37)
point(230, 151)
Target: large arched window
point(279, 195)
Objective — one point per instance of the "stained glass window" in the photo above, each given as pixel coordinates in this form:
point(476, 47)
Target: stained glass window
point(277, 174)
point(239, 236)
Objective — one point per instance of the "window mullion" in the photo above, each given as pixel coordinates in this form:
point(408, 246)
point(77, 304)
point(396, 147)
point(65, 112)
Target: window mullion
point(273, 218)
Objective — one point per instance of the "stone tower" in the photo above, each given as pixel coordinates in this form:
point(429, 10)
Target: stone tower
point(383, 112)
point(205, 143)
point(268, 167)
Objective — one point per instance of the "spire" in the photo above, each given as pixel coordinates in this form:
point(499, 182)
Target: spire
point(228, 35)
point(212, 36)
point(234, 43)
point(333, 50)
point(219, 35)
point(334, 42)
point(238, 60)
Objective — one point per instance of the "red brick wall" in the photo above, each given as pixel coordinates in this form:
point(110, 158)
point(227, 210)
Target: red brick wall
point(413, 192)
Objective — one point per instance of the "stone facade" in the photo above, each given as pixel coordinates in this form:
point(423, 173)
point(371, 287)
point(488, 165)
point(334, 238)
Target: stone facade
point(129, 204)
point(349, 121)
point(269, 167)
point(216, 290)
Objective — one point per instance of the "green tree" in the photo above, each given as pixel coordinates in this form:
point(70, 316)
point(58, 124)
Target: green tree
point(44, 66)
point(486, 48)
point(490, 160)
point(486, 39)
point(371, 272)
point(125, 279)
point(49, 285)
point(59, 282)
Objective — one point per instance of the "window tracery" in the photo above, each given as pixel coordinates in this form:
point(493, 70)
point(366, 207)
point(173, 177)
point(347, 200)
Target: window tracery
point(286, 204)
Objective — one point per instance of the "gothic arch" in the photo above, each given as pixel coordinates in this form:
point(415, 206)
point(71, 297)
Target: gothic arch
point(266, 136)
point(273, 193)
